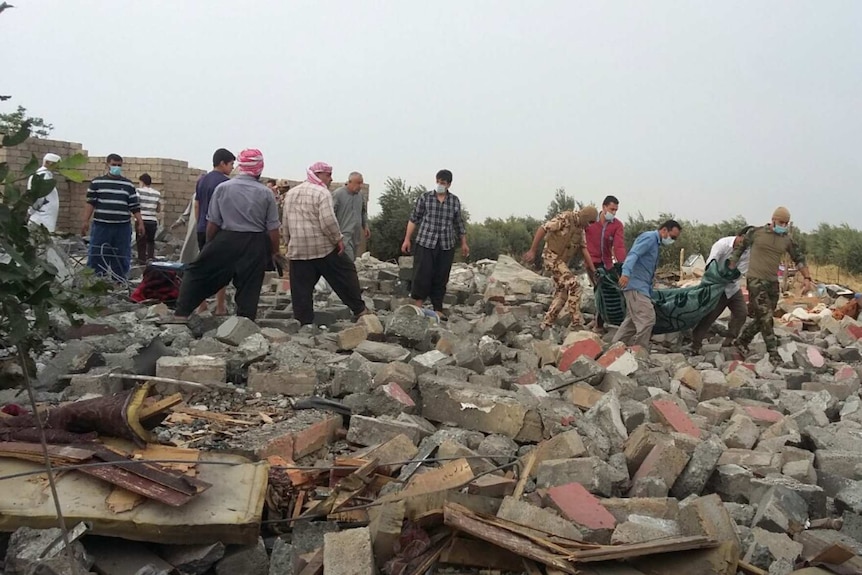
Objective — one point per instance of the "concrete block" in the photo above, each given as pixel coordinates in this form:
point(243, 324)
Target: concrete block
point(382, 352)
point(371, 431)
point(666, 462)
point(588, 370)
point(741, 433)
point(585, 510)
point(396, 372)
point(594, 474)
point(781, 510)
point(349, 338)
point(543, 520)
point(235, 329)
point(698, 470)
point(349, 552)
point(283, 381)
point(194, 368)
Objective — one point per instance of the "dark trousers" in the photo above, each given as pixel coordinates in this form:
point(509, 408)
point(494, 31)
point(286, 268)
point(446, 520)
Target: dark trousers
point(230, 256)
point(110, 249)
point(147, 242)
point(337, 270)
point(431, 267)
point(738, 313)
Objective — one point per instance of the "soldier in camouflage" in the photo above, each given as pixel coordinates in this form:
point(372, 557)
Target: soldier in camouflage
point(768, 245)
point(564, 237)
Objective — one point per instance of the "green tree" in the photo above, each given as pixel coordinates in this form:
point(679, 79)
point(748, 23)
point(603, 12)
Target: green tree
point(387, 227)
point(562, 202)
point(484, 242)
point(12, 123)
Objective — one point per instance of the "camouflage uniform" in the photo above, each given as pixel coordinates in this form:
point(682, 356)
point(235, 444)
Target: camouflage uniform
point(767, 249)
point(564, 237)
point(762, 301)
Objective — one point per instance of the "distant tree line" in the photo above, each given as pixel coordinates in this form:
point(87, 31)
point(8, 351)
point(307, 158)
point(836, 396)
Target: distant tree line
point(828, 244)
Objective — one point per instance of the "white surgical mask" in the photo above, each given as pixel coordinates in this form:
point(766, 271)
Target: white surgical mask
point(441, 189)
point(667, 241)
point(609, 217)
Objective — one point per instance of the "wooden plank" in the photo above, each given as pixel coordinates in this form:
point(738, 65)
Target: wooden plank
point(457, 519)
point(157, 408)
point(426, 452)
point(750, 569)
point(526, 470)
point(137, 484)
point(297, 476)
point(530, 567)
point(632, 550)
point(33, 452)
point(835, 554)
point(347, 488)
point(167, 452)
point(211, 416)
point(432, 555)
point(315, 564)
point(155, 474)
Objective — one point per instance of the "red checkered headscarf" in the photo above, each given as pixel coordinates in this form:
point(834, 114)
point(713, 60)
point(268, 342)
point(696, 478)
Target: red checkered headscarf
point(318, 167)
point(250, 162)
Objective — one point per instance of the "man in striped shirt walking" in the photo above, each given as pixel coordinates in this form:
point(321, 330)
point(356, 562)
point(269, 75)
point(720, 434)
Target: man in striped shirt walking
point(111, 202)
point(150, 200)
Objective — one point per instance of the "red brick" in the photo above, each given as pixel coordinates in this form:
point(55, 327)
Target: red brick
point(669, 413)
point(295, 444)
point(846, 372)
point(528, 378)
point(580, 506)
point(397, 393)
point(762, 415)
point(815, 358)
point(586, 347)
point(613, 354)
point(854, 330)
point(736, 364)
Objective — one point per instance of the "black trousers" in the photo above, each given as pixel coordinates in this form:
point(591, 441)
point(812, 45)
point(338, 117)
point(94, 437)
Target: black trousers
point(337, 270)
point(230, 256)
point(147, 242)
point(431, 269)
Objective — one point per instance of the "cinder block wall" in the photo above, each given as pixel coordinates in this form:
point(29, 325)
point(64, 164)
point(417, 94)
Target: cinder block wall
point(175, 179)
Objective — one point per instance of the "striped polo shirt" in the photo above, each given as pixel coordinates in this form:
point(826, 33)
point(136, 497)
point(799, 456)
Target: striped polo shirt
point(114, 199)
point(149, 199)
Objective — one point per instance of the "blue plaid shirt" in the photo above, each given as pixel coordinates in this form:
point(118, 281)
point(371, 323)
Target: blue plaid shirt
point(439, 222)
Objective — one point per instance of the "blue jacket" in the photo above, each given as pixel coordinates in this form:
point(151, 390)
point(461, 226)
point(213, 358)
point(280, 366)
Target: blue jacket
point(641, 263)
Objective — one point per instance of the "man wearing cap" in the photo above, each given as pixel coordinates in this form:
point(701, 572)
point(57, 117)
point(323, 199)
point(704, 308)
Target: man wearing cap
point(352, 214)
point(242, 233)
point(315, 246)
point(46, 209)
point(564, 237)
point(768, 244)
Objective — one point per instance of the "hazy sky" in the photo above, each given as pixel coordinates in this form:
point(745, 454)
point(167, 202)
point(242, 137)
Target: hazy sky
point(704, 109)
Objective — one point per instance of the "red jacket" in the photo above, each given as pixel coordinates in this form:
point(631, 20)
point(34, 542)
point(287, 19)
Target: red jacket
point(605, 239)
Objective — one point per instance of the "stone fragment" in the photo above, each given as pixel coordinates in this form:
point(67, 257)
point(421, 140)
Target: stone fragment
point(666, 462)
point(193, 559)
point(781, 510)
point(741, 433)
point(594, 474)
point(499, 448)
point(385, 529)
point(468, 357)
point(283, 557)
point(283, 381)
point(409, 325)
point(567, 445)
point(588, 370)
point(371, 431)
point(373, 326)
point(716, 411)
point(543, 520)
point(396, 372)
point(348, 381)
point(235, 329)
point(429, 361)
point(382, 352)
point(349, 552)
point(194, 368)
point(689, 377)
point(247, 559)
point(349, 338)
point(693, 479)
point(641, 528)
point(606, 415)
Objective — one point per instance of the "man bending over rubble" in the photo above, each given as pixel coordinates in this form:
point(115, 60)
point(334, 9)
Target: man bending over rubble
point(242, 234)
point(564, 237)
point(768, 245)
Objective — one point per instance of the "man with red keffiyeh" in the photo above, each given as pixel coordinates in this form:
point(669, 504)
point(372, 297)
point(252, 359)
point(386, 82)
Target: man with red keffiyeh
point(315, 246)
point(242, 235)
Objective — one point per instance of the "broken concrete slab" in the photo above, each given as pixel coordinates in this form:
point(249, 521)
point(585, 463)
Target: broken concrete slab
point(349, 552)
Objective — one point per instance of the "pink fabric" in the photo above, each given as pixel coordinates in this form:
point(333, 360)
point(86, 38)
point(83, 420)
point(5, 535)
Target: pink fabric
point(318, 167)
point(250, 161)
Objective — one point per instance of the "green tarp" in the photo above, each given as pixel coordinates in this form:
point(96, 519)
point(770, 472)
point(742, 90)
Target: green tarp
point(676, 309)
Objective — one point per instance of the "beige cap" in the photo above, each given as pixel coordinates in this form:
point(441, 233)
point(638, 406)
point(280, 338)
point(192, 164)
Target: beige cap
point(781, 214)
point(587, 215)
point(50, 157)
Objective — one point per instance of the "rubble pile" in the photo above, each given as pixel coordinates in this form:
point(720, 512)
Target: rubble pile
point(400, 443)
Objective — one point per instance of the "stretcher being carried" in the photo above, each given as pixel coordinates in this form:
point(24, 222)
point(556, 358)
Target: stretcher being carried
point(676, 309)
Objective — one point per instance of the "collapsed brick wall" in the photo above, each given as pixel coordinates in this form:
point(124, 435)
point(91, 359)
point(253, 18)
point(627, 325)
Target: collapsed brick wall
point(175, 179)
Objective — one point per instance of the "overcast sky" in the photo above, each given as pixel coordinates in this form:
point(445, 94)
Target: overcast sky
point(703, 109)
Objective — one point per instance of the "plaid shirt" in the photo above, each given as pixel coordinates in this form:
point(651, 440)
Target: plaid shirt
point(309, 226)
point(438, 221)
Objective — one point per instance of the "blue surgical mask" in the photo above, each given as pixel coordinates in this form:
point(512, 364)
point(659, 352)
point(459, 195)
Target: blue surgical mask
point(116, 170)
point(779, 229)
point(609, 216)
point(667, 241)
point(441, 189)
